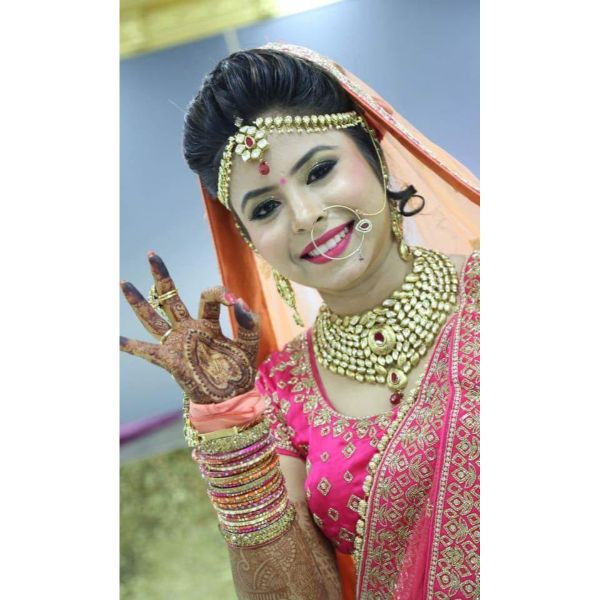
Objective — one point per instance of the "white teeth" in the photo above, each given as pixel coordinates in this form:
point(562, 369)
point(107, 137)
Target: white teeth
point(329, 244)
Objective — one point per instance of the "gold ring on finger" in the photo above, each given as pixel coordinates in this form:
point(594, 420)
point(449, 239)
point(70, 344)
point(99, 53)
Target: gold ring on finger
point(163, 339)
point(156, 301)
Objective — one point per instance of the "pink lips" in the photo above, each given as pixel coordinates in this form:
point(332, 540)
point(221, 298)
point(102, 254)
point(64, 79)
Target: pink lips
point(332, 252)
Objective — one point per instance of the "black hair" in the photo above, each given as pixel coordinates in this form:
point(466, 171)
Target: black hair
point(252, 83)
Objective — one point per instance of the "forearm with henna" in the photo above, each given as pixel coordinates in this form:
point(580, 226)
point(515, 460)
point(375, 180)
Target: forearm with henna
point(212, 368)
point(298, 566)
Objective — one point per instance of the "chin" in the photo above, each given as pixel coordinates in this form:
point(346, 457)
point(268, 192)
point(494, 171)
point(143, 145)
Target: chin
point(339, 275)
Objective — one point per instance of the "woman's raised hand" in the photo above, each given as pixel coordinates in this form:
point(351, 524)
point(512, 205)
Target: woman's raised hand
point(207, 365)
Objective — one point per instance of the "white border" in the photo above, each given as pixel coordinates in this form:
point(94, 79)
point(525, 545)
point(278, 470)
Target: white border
point(539, 261)
point(60, 299)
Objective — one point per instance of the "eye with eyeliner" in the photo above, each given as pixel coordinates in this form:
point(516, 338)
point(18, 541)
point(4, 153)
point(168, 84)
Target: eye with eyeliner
point(264, 209)
point(320, 171)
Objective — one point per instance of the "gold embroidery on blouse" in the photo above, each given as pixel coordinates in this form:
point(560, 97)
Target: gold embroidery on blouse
point(324, 456)
point(318, 411)
point(346, 535)
point(348, 477)
point(333, 514)
point(324, 486)
point(348, 450)
point(280, 430)
point(353, 502)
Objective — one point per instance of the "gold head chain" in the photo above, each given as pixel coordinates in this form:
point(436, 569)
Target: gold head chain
point(250, 142)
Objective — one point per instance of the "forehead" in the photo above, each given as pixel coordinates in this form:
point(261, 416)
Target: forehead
point(284, 151)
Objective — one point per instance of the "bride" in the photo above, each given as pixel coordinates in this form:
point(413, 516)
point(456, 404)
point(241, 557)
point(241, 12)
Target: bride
point(345, 463)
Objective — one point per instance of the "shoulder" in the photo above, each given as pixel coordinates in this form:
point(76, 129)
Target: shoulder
point(277, 369)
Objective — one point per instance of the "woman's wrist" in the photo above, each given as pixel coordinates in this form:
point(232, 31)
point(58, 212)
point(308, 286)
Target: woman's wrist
point(245, 485)
point(216, 420)
point(239, 411)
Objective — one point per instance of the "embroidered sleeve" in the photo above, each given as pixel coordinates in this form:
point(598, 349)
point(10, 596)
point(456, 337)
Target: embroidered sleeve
point(277, 409)
point(280, 429)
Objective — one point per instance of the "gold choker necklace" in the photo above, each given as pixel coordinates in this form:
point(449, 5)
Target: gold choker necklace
point(384, 344)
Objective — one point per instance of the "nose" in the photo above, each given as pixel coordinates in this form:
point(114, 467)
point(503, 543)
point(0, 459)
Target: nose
point(306, 212)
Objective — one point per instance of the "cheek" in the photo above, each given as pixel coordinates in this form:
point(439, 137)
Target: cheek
point(270, 240)
point(356, 184)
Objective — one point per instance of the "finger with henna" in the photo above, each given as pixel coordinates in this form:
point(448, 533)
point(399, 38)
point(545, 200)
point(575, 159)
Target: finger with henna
point(145, 350)
point(174, 307)
point(244, 316)
point(148, 317)
point(211, 300)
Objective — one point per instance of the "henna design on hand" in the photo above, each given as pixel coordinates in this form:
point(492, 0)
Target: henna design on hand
point(218, 367)
point(207, 365)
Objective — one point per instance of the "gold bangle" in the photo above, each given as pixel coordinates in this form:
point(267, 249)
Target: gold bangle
point(263, 536)
point(252, 486)
point(264, 453)
point(246, 499)
point(244, 511)
point(280, 508)
point(234, 441)
point(246, 477)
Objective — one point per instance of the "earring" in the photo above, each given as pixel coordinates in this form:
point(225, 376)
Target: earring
point(245, 237)
point(403, 248)
point(400, 200)
point(286, 292)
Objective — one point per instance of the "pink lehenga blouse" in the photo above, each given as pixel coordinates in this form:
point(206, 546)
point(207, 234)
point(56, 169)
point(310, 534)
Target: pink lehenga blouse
point(420, 532)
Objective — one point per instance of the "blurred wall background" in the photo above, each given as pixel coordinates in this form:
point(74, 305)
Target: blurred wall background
point(422, 56)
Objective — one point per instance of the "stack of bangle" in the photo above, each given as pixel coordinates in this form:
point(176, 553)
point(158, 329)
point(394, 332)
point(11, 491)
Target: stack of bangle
point(245, 484)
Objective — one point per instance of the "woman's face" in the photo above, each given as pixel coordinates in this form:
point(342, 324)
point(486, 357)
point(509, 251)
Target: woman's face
point(308, 173)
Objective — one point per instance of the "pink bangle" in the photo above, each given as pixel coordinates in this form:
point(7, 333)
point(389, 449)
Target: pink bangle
point(224, 458)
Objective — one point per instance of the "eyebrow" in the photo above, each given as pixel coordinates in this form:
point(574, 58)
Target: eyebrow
point(294, 169)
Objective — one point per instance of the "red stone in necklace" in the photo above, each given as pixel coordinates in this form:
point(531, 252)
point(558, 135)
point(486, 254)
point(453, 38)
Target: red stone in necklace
point(396, 398)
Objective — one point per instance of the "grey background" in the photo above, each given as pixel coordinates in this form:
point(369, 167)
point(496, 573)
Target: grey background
point(422, 56)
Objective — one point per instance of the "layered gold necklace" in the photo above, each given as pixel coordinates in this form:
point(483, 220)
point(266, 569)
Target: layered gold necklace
point(384, 344)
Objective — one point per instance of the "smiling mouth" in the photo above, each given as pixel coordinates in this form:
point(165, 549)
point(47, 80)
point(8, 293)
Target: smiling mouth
point(331, 246)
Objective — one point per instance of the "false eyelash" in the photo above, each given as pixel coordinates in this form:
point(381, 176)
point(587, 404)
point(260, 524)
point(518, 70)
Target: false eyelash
point(255, 216)
point(327, 165)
